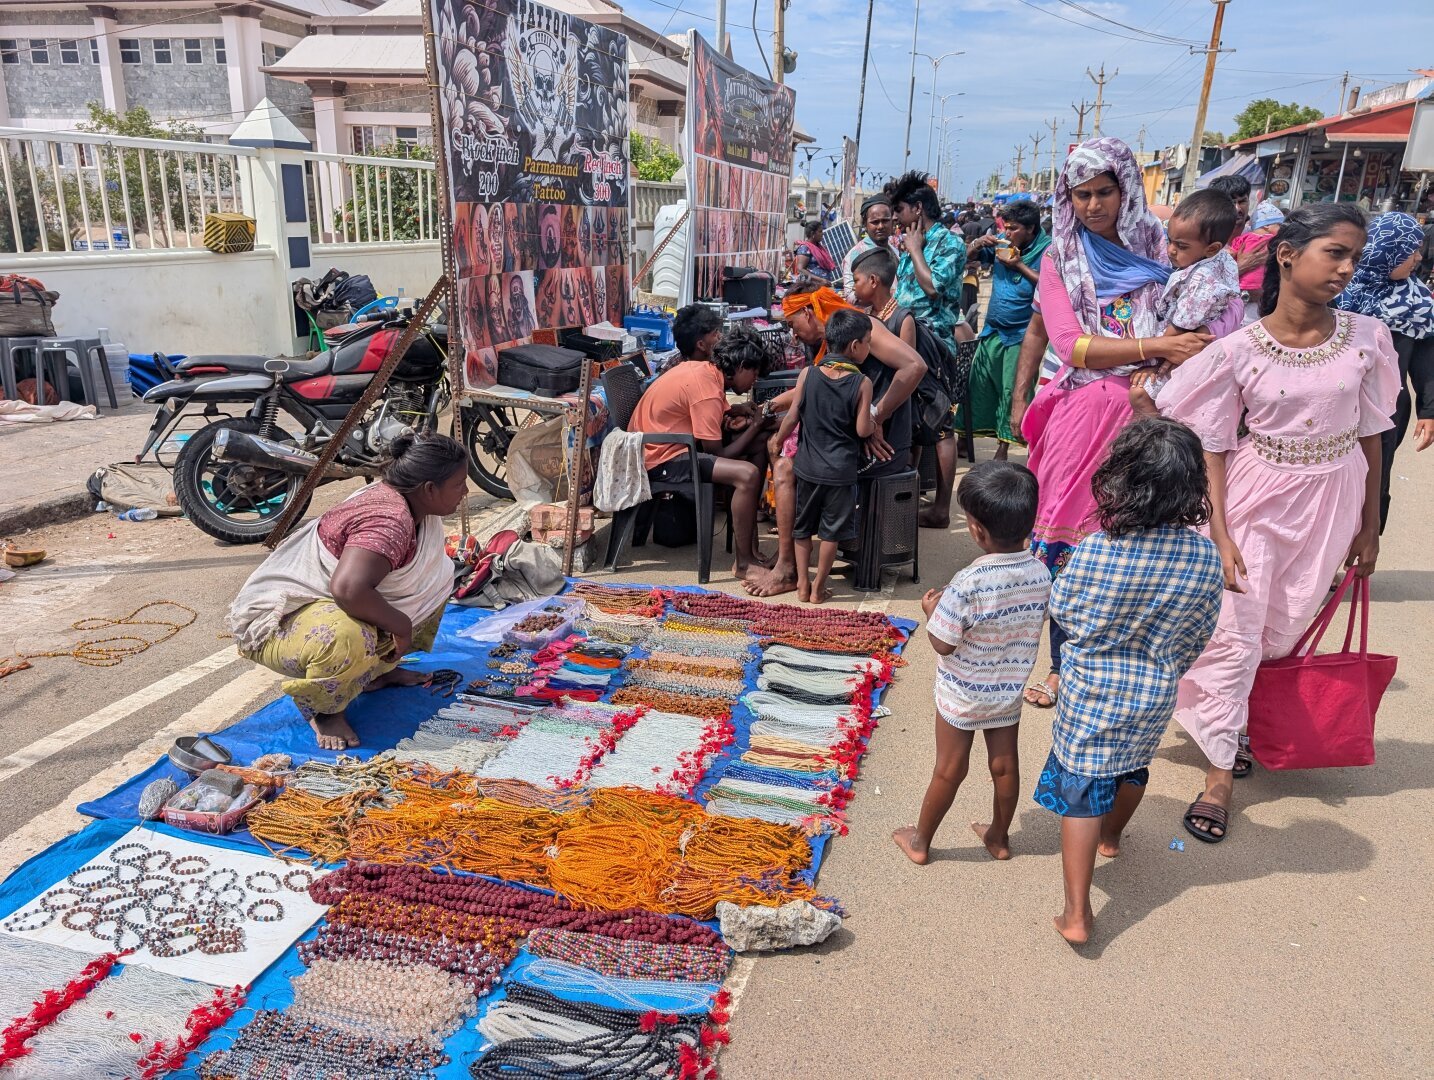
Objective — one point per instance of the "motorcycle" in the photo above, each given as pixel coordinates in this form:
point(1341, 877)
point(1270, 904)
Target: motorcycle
point(236, 475)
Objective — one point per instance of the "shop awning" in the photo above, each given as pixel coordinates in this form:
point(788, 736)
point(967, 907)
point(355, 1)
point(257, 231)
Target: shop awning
point(1240, 165)
point(1387, 123)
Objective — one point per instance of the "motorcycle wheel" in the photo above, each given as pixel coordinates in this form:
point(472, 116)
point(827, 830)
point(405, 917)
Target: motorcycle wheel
point(487, 432)
point(231, 501)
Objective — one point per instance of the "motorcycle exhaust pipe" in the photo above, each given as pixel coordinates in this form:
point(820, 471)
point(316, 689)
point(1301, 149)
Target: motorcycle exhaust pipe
point(240, 446)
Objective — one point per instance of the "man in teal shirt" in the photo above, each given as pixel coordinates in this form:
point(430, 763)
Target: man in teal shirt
point(928, 284)
point(1016, 258)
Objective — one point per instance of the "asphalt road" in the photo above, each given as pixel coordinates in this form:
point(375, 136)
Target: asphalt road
point(1302, 945)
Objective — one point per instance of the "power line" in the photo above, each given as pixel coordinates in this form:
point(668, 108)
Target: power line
point(1099, 29)
point(1126, 26)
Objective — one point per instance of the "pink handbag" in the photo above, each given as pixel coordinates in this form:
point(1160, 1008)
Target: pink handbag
point(1311, 711)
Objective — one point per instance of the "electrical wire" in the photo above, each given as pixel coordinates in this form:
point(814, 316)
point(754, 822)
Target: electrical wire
point(1100, 30)
point(1166, 38)
point(760, 51)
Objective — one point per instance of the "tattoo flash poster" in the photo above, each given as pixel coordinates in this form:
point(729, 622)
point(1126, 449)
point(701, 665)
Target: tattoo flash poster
point(739, 143)
point(848, 180)
point(534, 111)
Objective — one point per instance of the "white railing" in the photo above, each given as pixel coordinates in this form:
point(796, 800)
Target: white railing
point(66, 192)
point(371, 200)
point(648, 197)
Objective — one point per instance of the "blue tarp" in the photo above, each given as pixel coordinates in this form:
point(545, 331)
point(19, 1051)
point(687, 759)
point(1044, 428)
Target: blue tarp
point(382, 719)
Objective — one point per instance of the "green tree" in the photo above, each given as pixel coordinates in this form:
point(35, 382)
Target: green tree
point(386, 202)
point(1266, 114)
point(653, 159)
point(1213, 138)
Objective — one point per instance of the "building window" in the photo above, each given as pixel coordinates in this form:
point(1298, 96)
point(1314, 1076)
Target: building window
point(272, 54)
point(69, 52)
point(94, 50)
point(162, 55)
point(219, 55)
point(9, 51)
point(193, 51)
point(39, 51)
point(368, 138)
point(129, 50)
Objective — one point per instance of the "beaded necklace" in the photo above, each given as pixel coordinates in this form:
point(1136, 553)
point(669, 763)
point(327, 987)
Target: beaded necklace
point(632, 959)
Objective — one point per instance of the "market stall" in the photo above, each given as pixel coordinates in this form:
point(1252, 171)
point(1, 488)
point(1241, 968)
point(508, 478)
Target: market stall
point(548, 871)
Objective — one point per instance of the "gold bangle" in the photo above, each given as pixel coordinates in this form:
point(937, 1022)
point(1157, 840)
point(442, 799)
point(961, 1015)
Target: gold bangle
point(1140, 344)
point(1078, 353)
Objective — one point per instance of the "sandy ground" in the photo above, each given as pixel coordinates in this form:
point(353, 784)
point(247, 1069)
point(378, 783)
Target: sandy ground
point(1300, 946)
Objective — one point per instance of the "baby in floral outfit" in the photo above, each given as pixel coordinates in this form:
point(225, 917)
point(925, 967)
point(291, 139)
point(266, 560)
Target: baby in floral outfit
point(1203, 293)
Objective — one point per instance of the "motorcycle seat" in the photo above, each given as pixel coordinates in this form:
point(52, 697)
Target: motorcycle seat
point(245, 363)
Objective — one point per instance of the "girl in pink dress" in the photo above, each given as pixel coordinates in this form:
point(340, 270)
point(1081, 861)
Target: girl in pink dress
point(1100, 282)
point(1299, 496)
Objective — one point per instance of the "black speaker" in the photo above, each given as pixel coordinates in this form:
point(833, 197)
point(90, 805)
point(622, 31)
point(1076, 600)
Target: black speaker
point(744, 288)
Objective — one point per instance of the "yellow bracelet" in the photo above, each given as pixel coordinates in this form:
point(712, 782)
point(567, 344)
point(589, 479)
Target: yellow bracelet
point(1078, 353)
point(1140, 344)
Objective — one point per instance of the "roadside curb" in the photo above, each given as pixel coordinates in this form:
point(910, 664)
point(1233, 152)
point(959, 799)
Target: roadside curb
point(52, 511)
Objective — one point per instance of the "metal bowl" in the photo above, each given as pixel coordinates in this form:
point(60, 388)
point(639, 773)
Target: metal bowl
point(195, 754)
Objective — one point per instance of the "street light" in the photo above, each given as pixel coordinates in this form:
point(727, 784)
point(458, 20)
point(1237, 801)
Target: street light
point(944, 98)
point(945, 120)
point(935, 68)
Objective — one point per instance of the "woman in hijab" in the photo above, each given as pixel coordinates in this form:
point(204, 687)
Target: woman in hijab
point(1099, 284)
point(1385, 287)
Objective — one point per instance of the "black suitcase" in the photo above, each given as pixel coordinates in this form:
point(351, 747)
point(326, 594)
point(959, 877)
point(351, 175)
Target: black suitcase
point(541, 369)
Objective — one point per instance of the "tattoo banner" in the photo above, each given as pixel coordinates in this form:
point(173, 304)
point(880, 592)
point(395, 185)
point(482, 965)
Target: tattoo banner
point(739, 168)
point(848, 181)
point(532, 106)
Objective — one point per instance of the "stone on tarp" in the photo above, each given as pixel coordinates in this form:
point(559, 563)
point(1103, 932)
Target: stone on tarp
point(755, 929)
point(155, 794)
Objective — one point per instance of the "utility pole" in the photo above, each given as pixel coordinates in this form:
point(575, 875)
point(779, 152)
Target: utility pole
point(1080, 111)
point(1036, 141)
point(1020, 157)
point(779, 41)
point(1192, 161)
point(722, 27)
point(861, 96)
point(1100, 93)
point(1053, 125)
point(1343, 90)
point(911, 90)
point(1140, 141)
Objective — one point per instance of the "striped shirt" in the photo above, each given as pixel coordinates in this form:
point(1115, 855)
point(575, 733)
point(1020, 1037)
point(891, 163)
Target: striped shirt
point(1137, 611)
point(992, 613)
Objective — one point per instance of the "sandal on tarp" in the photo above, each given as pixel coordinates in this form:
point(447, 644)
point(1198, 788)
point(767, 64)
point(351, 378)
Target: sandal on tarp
point(1041, 688)
point(1217, 816)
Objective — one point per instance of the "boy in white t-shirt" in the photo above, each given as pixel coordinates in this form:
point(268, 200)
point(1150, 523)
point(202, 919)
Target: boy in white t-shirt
point(985, 627)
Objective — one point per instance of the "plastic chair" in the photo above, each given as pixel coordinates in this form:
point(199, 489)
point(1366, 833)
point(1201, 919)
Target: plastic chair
point(888, 533)
point(58, 376)
point(383, 303)
point(622, 385)
point(86, 351)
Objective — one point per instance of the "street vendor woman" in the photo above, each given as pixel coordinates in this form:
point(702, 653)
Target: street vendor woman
point(339, 603)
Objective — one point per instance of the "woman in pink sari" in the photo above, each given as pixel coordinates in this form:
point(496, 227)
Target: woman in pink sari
point(1099, 284)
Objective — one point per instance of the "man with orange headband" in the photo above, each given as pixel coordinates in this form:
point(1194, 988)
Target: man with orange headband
point(894, 368)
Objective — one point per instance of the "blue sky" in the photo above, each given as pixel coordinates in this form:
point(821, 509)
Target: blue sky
point(1025, 64)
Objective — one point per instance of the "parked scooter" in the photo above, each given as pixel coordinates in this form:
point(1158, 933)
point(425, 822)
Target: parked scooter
point(236, 475)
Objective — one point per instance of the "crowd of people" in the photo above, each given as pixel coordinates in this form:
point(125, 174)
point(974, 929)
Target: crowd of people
point(1210, 409)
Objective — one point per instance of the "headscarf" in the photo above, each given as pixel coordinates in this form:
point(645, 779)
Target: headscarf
point(823, 301)
point(1266, 213)
point(1134, 269)
point(1406, 307)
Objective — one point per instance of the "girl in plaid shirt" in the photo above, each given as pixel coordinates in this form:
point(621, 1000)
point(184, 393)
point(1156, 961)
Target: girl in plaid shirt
point(1139, 600)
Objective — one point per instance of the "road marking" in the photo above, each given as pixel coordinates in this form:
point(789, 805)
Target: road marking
point(222, 707)
point(116, 711)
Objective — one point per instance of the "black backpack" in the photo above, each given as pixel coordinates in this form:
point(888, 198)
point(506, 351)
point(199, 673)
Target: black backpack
point(939, 388)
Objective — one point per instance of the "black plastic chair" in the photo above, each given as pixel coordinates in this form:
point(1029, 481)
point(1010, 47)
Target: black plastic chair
point(622, 385)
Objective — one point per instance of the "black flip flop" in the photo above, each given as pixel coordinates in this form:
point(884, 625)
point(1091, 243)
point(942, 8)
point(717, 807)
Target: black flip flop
point(1244, 766)
point(1217, 816)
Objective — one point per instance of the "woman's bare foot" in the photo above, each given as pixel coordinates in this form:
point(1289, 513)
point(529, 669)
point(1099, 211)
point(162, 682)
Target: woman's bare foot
point(333, 731)
point(1074, 929)
point(998, 846)
point(916, 848)
point(820, 594)
point(779, 579)
point(1034, 695)
point(1109, 846)
point(397, 677)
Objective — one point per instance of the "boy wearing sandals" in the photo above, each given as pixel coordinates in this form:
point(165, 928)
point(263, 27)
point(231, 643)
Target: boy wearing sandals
point(1138, 600)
